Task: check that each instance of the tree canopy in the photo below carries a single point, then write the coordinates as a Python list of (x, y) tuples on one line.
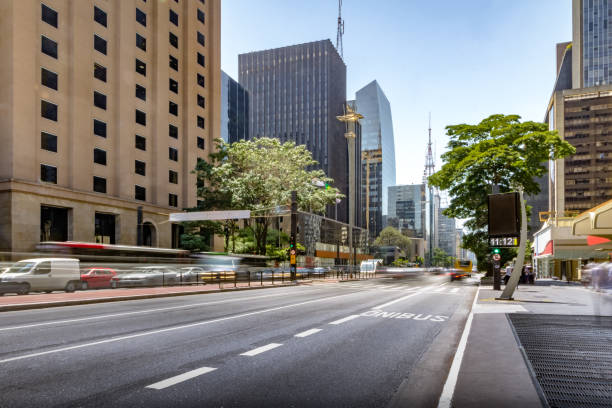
[(391, 236), (500, 150)]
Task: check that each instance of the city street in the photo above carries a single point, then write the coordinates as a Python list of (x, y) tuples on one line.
[(328, 344)]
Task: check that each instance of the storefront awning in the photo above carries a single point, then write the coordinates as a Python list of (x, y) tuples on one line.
[(596, 222)]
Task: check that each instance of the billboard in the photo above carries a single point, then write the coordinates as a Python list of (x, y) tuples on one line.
[(504, 215)]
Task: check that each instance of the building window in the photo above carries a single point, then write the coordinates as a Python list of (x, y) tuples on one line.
[(173, 63), (173, 131), (105, 228), (100, 16), (140, 193), (141, 67), (141, 92), (49, 15), (201, 80), (141, 117), (201, 40), (48, 110), (172, 177), (100, 157), (99, 184), (48, 142), (173, 154), (200, 101), (173, 18), (100, 72), (48, 46), (141, 42), (173, 86), (100, 100), (141, 17), (48, 173), (99, 128), (200, 16), (173, 108), (201, 59), (100, 44), (172, 200), (200, 122), (140, 167), (141, 143), (48, 78), (173, 40), (201, 143)]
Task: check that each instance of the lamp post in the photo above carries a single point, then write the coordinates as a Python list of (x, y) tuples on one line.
[(351, 118)]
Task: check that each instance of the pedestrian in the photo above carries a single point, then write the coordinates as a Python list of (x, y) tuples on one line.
[(531, 275), (507, 274), (523, 275)]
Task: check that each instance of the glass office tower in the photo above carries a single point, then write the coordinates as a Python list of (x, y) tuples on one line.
[(377, 146), (596, 42), (234, 110)]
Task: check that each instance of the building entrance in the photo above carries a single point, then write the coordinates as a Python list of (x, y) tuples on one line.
[(53, 223)]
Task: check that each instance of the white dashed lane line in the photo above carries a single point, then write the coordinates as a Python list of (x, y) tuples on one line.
[(180, 378), (346, 319), (307, 333), (261, 349)]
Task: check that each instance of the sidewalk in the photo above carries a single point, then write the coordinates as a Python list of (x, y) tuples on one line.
[(524, 352)]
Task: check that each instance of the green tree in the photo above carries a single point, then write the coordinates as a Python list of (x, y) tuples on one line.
[(259, 175), (441, 258), (500, 150), (391, 236)]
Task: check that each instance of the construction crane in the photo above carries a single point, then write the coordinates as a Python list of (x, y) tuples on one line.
[(340, 31)]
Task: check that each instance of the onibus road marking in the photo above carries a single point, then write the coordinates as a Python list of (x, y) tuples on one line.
[(180, 378), (261, 349), (402, 315), (307, 333)]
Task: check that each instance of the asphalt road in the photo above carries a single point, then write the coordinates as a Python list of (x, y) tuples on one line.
[(341, 344)]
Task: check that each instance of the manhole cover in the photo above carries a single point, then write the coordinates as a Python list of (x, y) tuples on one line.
[(570, 355)]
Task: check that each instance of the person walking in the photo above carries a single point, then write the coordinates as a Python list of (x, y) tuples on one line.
[(507, 274)]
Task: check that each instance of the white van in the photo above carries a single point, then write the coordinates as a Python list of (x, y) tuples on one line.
[(41, 275)]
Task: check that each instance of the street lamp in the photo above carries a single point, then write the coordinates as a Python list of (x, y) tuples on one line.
[(351, 118)]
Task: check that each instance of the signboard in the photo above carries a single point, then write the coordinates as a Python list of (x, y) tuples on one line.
[(496, 257), (504, 241), (504, 215), (209, 215), (292, 260)]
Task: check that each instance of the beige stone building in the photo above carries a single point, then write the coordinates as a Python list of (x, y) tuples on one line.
[(105, 106)]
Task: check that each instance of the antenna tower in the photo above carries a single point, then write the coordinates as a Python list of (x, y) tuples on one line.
[(429, 160), (340, 30)]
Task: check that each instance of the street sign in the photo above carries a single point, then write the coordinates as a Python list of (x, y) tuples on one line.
[(496, 257), (292, 259), (504, 241)]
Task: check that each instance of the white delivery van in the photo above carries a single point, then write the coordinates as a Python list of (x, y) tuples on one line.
[(41, 275)]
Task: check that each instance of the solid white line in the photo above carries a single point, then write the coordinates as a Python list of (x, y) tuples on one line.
[(168, 329), (413, 288), (446, 397), (180, 378), (307, 332), (261, 349), (346, 319), (161, 309)]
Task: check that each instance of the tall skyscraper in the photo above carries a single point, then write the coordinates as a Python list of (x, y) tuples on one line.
[(447, 233), (296, 93), (406, 209), (234, 110), (378, 154), (105, 107)]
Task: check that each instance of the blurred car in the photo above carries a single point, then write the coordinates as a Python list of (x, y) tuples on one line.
[(147, 276), (457, 274), (96, 278), (190, 274)]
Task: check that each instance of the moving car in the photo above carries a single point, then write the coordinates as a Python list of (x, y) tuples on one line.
[(97, 278), (42, 275), (157, 275), (458, 274)]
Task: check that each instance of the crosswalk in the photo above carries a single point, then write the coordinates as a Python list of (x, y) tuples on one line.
[(441, 289)]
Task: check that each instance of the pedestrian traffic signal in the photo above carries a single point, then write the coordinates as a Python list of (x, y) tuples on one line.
[(496, 250)]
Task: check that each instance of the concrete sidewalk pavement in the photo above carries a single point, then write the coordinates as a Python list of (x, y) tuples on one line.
[(495, 369)]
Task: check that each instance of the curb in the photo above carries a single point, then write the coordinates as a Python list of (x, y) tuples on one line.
[(28, 306)]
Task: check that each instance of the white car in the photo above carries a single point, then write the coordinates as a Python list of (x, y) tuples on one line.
[(41, 275)]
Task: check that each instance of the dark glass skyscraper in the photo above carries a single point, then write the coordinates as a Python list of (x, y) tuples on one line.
[(234, 110), (296, 92)]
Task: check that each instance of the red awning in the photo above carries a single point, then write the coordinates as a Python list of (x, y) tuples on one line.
[(593, 240), (548, 249)]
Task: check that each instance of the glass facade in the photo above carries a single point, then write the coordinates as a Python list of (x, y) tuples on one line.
[(234, 110), (377, 134), (596, 42), (407, 209)]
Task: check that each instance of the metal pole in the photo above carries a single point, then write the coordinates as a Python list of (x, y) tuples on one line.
[(520, 258)]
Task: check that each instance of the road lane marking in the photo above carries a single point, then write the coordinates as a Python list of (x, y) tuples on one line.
[(307, 332), (168, 329), (451, 381), (402, 315), (454, 290), (161, 309), (261, 349), (180, 378), (346, 319), (439, 290), (399, 299)]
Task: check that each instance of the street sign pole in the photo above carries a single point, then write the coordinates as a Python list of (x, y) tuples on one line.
[(293, 238), (496, 272)]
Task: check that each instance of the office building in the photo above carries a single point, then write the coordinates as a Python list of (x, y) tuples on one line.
[(378, 154), (406, 209), (296, 93), (105, 107), (234, 110), (447, 233)]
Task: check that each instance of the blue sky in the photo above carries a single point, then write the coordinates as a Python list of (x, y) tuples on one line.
[(461, 60)]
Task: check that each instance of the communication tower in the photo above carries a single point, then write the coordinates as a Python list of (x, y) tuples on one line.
[(340, 31)]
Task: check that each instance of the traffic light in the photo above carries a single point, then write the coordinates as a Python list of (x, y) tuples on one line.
[(327, 186), (496, 250)]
